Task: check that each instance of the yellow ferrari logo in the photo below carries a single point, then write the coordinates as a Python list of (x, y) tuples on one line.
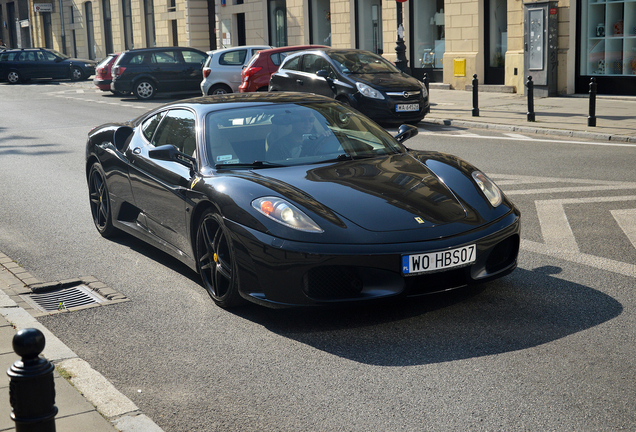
[(216, 257), (419, 220), (194, 182)]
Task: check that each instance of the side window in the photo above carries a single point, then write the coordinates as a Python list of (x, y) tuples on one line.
[(293, 64), (311, 63), (178, 129), (136, 59), (233, 58), (277, 58), (49, 56), (149, 126), (168, 57), (193, 57)]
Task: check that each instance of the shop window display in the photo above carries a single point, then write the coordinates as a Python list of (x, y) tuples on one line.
[(608, 37)]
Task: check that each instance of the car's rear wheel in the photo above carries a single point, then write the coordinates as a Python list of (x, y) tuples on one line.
[(100, 201), (14, 77), (144, 90), (219, 89), (216, 262), (76, 74)]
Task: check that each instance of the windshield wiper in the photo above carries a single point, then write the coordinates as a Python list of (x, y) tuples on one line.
[(255, 164)]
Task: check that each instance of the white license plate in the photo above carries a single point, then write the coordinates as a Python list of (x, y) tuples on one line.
[(407, 107), (436, 261)]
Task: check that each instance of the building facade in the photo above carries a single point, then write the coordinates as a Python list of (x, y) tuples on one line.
[(501, 41)]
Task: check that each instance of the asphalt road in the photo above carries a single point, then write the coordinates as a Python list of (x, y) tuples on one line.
[(550, 347)]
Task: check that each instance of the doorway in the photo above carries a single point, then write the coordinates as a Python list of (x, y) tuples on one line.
[(495, 40)]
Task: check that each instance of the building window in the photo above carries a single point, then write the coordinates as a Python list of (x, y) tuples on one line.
[(149, 9), (369, 25), (320, 22), (108, 27), (48, 29), (90, 35), (277, 23), (175, 33), (608, 38), (128, 25), (429, 34)]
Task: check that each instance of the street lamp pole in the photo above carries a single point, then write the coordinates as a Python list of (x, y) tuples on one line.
[(400, 47)]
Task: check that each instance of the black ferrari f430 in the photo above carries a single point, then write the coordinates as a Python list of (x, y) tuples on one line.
[(294, 199)]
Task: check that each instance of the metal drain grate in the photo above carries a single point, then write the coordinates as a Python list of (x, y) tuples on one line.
[(67, 298)]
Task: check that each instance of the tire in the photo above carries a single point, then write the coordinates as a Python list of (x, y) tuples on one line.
[(100, 202), (219, 89), (216, 261), (344, 101), (144, 90), (14, 77), (76, 74)]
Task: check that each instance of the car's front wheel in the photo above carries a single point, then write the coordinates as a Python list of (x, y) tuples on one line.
[(76, 74), (14, 77), (216, 262), (100, 201), (144, 90)]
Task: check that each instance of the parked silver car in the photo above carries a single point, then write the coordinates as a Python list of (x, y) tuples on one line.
[(222, 69)]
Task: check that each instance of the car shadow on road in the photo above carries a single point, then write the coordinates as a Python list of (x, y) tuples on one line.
[(523, 310)]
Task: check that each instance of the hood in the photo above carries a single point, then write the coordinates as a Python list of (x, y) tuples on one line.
[(389, 193), (388, 81), (87, 61)]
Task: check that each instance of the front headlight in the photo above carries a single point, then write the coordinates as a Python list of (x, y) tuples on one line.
[(489, 188), (285, 213), (424, 91), (368, 91)]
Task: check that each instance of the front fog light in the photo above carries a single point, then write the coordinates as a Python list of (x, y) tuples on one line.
[(489, 188)]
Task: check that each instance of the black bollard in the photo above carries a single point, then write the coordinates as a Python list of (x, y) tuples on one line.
[(426, 82), (591, 119), (475, 97), (31, 390), (530, 86)]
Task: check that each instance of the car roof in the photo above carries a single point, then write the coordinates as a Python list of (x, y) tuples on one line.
[(152, 49), (292, 48), (249, 99), (222, 50)]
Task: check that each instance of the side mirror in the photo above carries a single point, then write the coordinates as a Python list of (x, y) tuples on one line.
[(322, 73), (170, 153), (406, 132)]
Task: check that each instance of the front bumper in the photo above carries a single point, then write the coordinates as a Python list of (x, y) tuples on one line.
[(281, 273)]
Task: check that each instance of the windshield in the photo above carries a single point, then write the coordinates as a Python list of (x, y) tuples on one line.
[(361, 62), (292, 134)]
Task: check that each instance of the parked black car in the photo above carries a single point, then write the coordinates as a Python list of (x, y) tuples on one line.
[(146, 71), (295, 199), (361, 79), (19, 65)]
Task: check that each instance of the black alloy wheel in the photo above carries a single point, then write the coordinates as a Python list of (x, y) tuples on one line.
[(215, 261), (76, 74), (100, 201), (144, 90)]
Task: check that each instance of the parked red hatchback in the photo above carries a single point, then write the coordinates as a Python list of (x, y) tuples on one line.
[(255, 76), (103, 76)]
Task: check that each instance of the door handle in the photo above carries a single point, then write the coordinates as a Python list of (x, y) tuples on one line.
[(300, 82)]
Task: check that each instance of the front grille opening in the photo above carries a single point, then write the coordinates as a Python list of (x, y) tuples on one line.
[(503, 255), (333, 283), (63, 299)]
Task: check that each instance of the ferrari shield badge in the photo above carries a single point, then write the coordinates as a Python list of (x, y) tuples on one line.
[(419, 220)]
